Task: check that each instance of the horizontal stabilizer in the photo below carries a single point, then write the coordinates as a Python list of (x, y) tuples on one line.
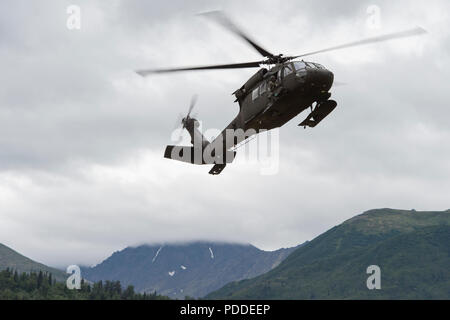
[(197, 155)]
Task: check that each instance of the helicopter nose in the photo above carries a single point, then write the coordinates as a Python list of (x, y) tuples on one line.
[(320, 79)]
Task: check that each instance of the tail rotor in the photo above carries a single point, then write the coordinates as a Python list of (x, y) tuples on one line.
[(183, 120)]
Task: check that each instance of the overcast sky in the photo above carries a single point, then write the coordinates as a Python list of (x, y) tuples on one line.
[(82, 137)]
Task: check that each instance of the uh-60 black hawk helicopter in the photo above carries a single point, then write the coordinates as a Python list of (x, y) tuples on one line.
[(268, 100)]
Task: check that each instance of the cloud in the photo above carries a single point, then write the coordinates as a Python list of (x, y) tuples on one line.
[(82, 136)]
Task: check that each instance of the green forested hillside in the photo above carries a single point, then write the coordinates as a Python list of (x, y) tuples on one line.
[(42, 286), (10, 259), (411, 248)]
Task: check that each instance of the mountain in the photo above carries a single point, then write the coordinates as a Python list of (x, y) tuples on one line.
[(411, 248), (179, 270), (15, 261)]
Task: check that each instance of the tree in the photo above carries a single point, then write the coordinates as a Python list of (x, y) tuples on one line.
[(40, 279), (128, 294), (42, 286)]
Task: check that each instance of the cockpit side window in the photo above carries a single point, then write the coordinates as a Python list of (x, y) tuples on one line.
[(299, 65), (287, 70)]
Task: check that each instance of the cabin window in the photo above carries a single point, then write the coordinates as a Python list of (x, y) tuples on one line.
[(263, 88), (255, 94), (287, 71)]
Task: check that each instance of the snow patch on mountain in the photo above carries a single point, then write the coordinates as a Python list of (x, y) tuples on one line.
[(156, 255)]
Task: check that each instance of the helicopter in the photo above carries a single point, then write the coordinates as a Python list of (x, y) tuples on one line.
[(273, 96)]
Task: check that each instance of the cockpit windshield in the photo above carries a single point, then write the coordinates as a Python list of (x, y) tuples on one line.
[(319, 66), (300, 65)]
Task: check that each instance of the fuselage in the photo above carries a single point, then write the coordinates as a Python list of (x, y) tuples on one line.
[(265, 106), (302, 83)]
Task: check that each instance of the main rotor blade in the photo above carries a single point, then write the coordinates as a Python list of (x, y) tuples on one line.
[(223, 66), (397, 35), (222, 19)]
